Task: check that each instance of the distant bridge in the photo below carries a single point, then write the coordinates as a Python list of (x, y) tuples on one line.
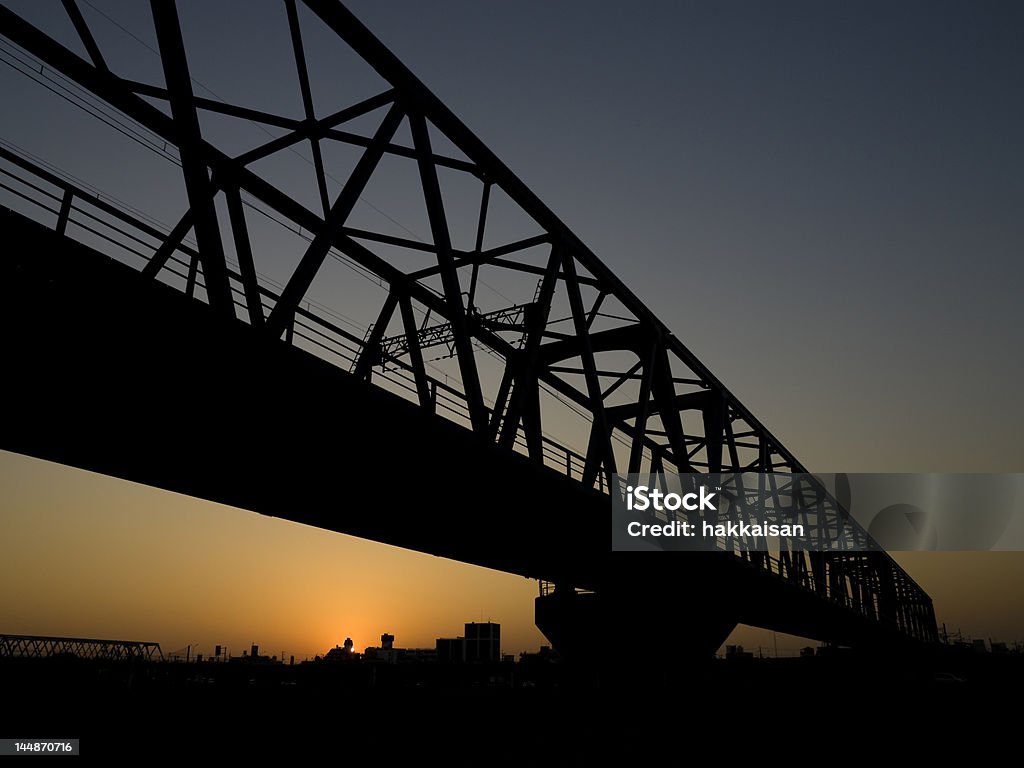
[(38, 647), (137, 353)]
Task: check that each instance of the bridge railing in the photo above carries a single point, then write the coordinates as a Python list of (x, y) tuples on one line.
[(112, 227)]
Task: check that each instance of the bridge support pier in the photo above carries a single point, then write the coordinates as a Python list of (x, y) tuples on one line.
[(636, 634)]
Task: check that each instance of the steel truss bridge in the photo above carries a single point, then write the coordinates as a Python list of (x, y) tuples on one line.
[(160, 355), (33, 647)]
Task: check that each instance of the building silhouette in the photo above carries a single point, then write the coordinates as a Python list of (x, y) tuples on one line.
[(450, 650), (482, 642)]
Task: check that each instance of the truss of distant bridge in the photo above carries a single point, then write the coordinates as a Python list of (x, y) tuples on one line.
[(38, 647)]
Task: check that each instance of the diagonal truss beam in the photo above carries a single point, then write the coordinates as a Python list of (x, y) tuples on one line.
[(243, 250), (307, 101), (190, 143), (84, 33), (521, 370), (449, 276), (314, 257), (601, 429)]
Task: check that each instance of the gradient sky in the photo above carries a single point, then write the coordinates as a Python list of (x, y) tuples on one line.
[(821, 199)]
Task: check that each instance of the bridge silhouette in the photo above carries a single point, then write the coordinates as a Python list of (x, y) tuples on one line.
[(136, 352)]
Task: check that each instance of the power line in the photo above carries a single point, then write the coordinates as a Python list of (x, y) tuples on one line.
[(131, 34), (77, 101)]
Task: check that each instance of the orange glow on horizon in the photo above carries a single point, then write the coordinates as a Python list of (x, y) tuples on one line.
[(92, 556)]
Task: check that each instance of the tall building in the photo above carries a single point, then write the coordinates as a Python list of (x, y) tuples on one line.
[(482, 642)]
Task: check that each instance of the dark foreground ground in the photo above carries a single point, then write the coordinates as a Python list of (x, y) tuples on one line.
[(818, 709)]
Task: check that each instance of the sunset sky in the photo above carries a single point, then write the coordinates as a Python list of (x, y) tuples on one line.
[(821, 199)]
